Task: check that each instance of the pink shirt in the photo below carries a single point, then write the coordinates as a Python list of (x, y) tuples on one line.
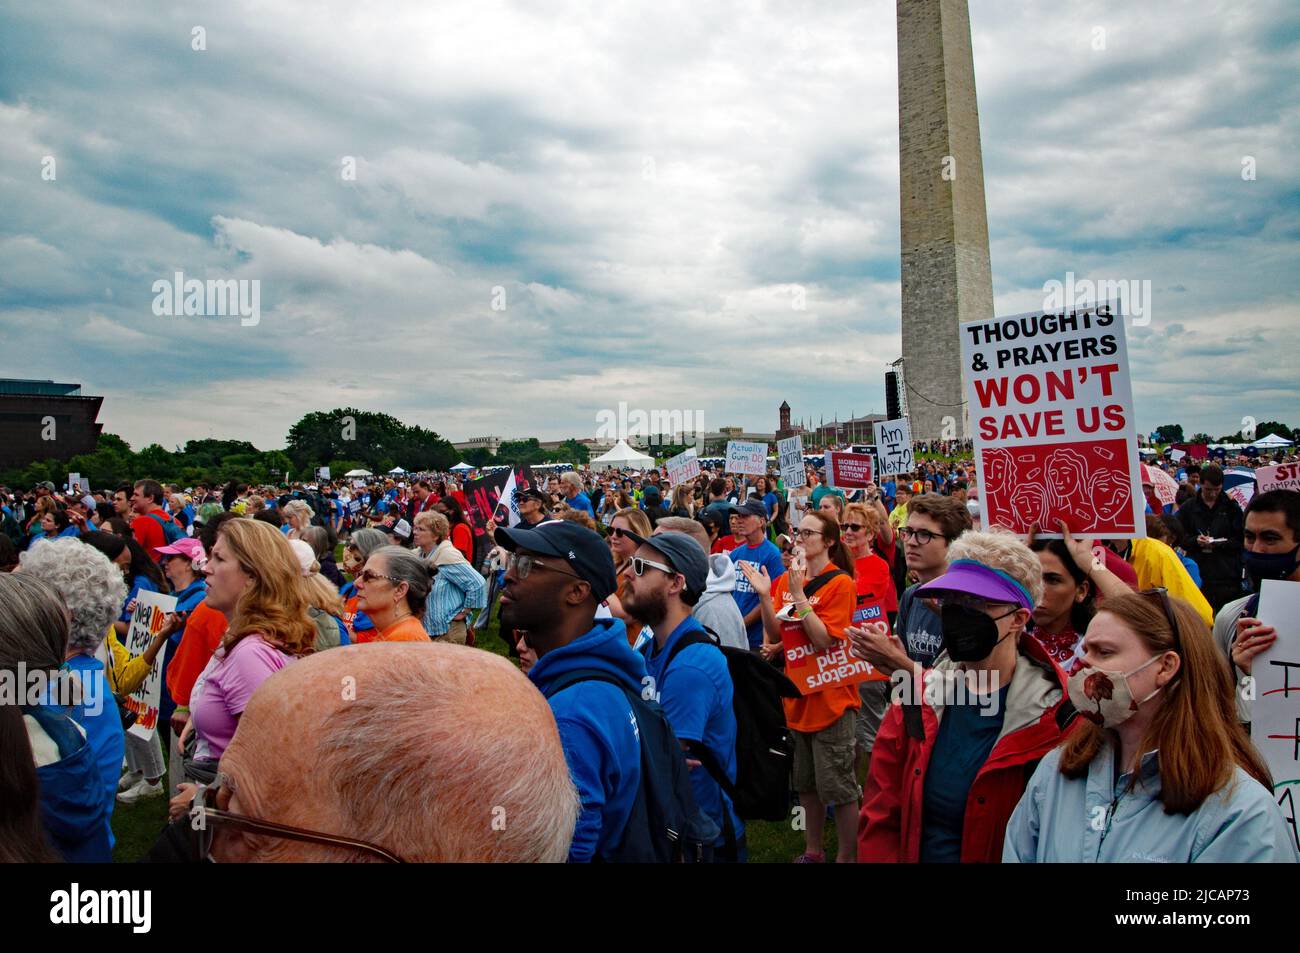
[(227, 684)]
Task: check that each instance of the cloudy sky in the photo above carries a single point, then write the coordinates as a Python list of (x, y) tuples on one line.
[(641, 189)]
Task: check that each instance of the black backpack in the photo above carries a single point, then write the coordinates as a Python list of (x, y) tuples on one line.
[(665, 826), (764, 746)]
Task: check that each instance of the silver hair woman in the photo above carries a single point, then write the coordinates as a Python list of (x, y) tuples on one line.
[(297, 514)]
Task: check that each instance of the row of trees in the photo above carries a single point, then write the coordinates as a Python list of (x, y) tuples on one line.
[(1173, 433)]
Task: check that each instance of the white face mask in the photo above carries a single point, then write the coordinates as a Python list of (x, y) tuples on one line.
[(1105, 698)]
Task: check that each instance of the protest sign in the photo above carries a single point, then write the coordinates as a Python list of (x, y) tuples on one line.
[(74, 481), (1284, 476), (485, 495), (894, 447), (1275, 707), (147, 619), (685, 466), (85, 485), (814, 670), (354, 506), (1051, 407), (848, 471), (744, 456), (789, 455), (322, 473)]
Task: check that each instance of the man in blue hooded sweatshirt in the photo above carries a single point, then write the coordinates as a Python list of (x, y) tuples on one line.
[(557, 576)]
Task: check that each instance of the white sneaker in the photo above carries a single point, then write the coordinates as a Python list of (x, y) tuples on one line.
[(129, 780), (139, 792)]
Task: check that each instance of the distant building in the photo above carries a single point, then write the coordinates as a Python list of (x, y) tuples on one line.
[(490, 444), (786, 430), (840, 432), (40, 420)]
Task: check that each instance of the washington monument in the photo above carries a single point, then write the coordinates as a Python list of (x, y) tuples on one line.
[(945, 234)]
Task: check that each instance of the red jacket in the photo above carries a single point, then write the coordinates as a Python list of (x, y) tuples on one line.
[(889, 829)]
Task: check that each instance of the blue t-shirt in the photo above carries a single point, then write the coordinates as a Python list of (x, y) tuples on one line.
[(696, 698), (920, 628), (967, 734), (103, 726), (770, 501), (580, 502), (764, 554)]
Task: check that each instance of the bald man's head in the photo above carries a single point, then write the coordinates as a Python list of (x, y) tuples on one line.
[(433, 752)]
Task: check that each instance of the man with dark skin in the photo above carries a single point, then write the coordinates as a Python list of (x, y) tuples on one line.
[(557, 576)]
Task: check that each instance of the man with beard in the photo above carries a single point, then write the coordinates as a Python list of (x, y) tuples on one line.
[(557, 575), (667, 575), (1272, 536)]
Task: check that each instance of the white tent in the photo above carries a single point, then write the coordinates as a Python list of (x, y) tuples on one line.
[(622, 457), (1273, 440), (358, 473), (462, 467), (396, 470)]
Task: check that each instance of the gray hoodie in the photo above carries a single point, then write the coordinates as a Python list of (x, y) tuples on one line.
[(717, 609)]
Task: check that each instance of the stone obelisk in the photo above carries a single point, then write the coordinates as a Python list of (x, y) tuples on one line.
[(946, 275)]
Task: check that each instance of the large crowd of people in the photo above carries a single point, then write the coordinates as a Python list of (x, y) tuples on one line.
[(323, 691)]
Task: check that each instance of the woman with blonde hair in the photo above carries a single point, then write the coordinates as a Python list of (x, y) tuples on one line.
[(458, 588), (325, 606), (683, 500), (255, 579), (1159, 769), (951, 762), (297, 517), (622, 547)]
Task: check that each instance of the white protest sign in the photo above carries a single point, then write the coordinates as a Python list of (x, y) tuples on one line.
[(789, 454), (85, 485), (1284, 476), (146, 620), (1051, 407), (894, 447), (1275, 708), (74, 481), (744, 456), (322, 473), (685, 466)]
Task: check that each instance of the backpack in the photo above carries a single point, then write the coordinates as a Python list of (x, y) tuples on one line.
[(665, 826), (764, 746), (171, 532)]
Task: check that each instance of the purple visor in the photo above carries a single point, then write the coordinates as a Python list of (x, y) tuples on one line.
[(977, 579)]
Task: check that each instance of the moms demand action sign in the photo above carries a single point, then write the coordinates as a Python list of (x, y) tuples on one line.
[(1051, 407)]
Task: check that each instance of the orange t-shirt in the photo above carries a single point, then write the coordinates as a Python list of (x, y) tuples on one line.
[(203, 631), (834, 604), (409, 629)]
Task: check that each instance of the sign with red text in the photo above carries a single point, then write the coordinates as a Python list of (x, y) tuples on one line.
[(848, 471), (813, 670), (685, 466), (1284, 476), (1051, 414), (1275, 699), (151, 609)]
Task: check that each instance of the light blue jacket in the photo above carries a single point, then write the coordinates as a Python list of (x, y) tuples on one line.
[(1096, 820)]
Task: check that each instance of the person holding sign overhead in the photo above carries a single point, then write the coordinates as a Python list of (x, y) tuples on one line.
[(815, 599), (1159, 770), (950, 763)]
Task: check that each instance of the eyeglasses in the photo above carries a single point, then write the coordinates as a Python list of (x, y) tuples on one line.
[(1162, 596), (521, 564), (922, 537), (618, 533), (805, 533), (854, 527), (639, 565), (369, 575), (203, 819)]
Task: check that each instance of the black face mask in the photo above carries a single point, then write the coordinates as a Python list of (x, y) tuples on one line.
[(1261, 566), (969, 634)]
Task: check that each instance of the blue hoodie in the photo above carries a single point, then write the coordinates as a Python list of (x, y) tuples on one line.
[(73, 811), (598, 731)]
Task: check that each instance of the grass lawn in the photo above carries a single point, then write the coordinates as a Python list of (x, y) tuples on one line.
[(136, 826)]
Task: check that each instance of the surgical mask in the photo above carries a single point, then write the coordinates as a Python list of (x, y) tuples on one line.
[(969, 634), (1260, 566), (1105, 698)]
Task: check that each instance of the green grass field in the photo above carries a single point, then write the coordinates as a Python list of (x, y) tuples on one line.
[(136, 827)]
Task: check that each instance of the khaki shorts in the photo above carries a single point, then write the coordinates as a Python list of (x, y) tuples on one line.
[(875, 702), (456, 632), (823, 761)]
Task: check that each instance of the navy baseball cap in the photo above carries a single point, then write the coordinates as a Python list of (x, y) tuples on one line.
[(583, 549), (750, 508), (683, 554)]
